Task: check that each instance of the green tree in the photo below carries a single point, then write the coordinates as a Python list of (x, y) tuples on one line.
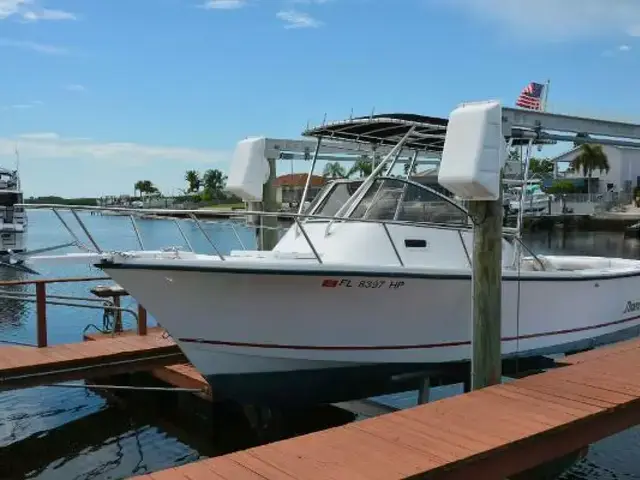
[(214, 182), (561, 187), (145, 187), (192, 177), (540, 166), (334, 170), (363, 167), (137, 188), (590, 158)]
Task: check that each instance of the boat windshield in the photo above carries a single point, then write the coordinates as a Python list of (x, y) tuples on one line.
[(391, 199), (400, 200), (333, 196)]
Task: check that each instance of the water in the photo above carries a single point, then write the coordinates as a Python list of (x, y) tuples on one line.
[(53, 433)]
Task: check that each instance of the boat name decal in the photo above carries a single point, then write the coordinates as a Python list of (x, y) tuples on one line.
[(371, 284), (631, 307)]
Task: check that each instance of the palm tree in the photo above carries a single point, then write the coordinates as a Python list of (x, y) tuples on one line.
[(192, 177), (334, 170), (363, 166), (145, 187), (590, 158), (138, 187)]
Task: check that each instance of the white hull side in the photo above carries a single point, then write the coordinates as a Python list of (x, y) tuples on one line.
[(272, 322)]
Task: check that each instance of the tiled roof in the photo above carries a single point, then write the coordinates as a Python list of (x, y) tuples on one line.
[(298, 180)]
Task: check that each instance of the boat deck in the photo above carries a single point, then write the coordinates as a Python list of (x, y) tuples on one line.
[(491, 433)]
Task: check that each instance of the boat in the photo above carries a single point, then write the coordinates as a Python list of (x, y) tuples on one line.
[(535, 199), (13, 217), (370, 288)]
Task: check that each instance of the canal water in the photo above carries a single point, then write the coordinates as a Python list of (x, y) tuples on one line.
[(51, 433)]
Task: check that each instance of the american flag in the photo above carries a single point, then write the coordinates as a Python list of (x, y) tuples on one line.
[(531, 96)]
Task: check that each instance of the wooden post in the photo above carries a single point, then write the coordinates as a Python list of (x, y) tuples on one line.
[(424, 391), (486, 362), (268, 235), (142, 320), (41, 314), (117, 315)]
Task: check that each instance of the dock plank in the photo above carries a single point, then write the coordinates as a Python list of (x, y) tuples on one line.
[(22, 367), (182, 375), (491, 433), (600, 352)]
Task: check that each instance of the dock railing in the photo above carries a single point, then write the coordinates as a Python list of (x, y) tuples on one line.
[(42, 299)]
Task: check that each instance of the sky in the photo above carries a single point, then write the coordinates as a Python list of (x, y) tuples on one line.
[(97, 94)]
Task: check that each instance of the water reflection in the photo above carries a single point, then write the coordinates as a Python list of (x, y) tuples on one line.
[(13, 312), (608, 244)]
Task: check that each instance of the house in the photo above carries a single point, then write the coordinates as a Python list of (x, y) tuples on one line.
[(289, 187), (623, 175)]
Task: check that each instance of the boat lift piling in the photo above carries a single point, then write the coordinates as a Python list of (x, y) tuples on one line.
[(486, 363)]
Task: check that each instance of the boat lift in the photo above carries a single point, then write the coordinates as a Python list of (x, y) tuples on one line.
[(518, 123)]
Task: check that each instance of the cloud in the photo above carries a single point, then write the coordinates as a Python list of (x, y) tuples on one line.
[(50, 145), (22, 106), (224, 4), (295, 19), (75, 87), (556, 19), (29, 11), (620, 49), (40, 136), (34, 46)]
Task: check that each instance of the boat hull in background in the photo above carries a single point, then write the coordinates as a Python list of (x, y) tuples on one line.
[(14, 241)]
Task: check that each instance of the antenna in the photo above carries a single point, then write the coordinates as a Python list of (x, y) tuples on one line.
[(17, 167), (351, 114)]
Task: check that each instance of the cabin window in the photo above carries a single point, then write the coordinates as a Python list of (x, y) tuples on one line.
[(9, 199), (415, 243), (395, 199), (338, 194), (421, 205)]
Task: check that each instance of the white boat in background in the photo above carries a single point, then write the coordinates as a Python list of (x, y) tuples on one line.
[(13, 217), (372, 286), (535, 199)]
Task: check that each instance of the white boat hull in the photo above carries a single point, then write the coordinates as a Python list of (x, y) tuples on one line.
[(14, 241), (251, 332)]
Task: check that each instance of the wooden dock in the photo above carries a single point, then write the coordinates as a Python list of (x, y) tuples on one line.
[(492, 433), (178, 373), (22, 367), (27, 366)]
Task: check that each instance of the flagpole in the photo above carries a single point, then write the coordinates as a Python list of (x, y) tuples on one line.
[(17, 165), (546, 95)]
